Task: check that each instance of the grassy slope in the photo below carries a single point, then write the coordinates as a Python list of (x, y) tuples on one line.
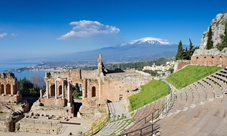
[(150, 92), (190, 74)]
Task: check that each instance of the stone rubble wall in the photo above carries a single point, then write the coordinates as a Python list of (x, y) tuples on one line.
[(33, 126)]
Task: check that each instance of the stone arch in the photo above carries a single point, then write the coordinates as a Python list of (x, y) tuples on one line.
[(78, 88), (93, 92), (8, 89), (1, 89), (52, 90)]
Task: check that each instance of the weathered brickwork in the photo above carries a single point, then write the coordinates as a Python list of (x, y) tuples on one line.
[(8, 88), (97, 87)]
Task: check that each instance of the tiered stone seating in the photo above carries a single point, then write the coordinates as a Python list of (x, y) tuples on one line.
[(118, 120), (207, 118), (143, 117)]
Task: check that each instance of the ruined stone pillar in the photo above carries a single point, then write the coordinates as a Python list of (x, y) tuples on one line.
[(69, 95), (11, 89), (48, 88), (41, 93), (55, 95), (4, 88), (63, 92)]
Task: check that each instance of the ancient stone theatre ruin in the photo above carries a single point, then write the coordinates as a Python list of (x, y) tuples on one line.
[(97, 87)]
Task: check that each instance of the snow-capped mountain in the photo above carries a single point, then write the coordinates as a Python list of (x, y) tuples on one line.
[(147, 48), (148, 40)]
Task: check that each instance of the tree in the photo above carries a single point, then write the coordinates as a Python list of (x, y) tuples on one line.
[(25, 87), (223, 44), (191, 48), (209, 39), (36, 80), (180, 52)]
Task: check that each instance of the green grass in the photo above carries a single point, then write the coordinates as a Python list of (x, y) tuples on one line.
[(190, 74), (150, 92)]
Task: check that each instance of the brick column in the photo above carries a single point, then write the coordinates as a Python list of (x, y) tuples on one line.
[(48, 88), (69, 96), (55, 89), (4, 88), (11, 89), (63, 92)]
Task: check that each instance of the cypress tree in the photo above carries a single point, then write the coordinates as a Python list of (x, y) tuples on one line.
[(209, 39), (191, 49), (180, 52)]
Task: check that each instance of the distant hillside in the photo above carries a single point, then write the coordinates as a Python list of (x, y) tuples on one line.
[(137, 50)]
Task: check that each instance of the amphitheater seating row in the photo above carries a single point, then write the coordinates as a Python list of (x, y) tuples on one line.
[(143, 117), (199, 109)]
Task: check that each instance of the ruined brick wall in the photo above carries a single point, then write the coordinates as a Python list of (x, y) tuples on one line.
[(180, 64), (210, 60), (89, 74), (116, 87), (45, 127), (8, 88)]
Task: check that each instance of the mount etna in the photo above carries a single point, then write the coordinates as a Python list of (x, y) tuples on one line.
[(148, 48)]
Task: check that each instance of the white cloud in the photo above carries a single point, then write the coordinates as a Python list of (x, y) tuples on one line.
[(13, 34), (3, 35), (87, 28)]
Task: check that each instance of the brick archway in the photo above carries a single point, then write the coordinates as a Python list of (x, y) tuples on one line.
[(1, 89), (8, 89)]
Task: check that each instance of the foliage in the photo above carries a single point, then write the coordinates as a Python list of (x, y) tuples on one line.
[(27, 88), (150, 92), (223, 44), (138, 65), (190, 74), (36, 80), (97, 125), (185, 54), (48, 75), (209, 39), (76, 92), (180, 52), (151, 72)]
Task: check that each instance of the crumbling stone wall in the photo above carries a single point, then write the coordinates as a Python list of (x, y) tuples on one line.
[(98, 86), (212, 57), (8, 88), (35, 126)]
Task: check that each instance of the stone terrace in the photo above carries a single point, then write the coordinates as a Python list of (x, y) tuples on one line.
[(200, 108)]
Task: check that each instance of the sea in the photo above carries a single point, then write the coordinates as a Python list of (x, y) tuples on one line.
[(7, 66)]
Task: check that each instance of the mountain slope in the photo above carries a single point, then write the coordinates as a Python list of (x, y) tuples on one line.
[(142, 49)]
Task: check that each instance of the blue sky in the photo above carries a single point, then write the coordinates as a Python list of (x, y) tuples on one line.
[(42, 28)]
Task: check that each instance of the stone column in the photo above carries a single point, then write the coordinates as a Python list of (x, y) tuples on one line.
[(48, 88), (69, 95), (4, 88), (63, 92), (11, 89), (55, 89), (41, 93)]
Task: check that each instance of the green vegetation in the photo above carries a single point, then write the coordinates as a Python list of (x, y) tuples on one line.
[(138, 65), (77, 93), (209, 39), (185, 54), (190, 74), (180, 52), (97, 125), (27, 88), (222, 45), (150, 92)]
